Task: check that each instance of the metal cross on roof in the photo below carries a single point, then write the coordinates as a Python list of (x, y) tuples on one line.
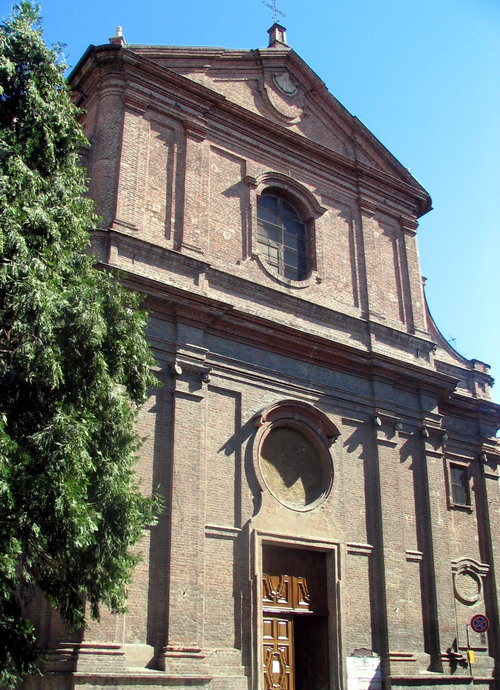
[(275, 10)]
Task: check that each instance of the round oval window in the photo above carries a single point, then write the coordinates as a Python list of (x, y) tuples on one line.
[(293, 469)]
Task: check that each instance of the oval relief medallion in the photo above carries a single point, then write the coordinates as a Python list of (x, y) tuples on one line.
[(467, 587), (293, 469)]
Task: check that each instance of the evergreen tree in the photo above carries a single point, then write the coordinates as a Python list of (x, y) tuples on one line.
[(74, 365)]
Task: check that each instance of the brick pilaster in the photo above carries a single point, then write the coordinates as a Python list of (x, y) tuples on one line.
[(440, 608), (195, 228), (183, 650), (391, 550)]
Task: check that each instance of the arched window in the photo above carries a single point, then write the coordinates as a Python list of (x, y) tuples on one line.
[(282, 236)]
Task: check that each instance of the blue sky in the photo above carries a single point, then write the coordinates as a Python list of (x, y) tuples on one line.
[(422, 75)]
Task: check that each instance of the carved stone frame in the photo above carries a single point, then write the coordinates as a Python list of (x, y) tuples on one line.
[(259, 539), (317, 429), (477, 571), (310, 209)]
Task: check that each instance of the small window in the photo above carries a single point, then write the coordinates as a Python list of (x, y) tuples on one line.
[(282, 237), (459, 489), (459, 485)]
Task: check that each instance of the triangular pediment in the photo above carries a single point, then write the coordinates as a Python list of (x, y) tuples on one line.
[(278, 85)]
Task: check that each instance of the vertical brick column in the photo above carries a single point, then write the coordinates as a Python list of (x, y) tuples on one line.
[(391, 551), (412, 275), (196, 198), (489, 525), (131, 202), (183, 650), (440, 607), (106, 143), (370, 290)]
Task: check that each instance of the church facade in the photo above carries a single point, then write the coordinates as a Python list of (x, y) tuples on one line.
[(328, 462)]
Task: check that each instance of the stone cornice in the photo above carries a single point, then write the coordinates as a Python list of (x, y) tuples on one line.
[(286, 341), (368, 351)]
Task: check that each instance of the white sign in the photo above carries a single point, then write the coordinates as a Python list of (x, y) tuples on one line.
[(363, 673)]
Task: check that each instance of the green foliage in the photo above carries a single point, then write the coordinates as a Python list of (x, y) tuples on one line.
[(74, 365)]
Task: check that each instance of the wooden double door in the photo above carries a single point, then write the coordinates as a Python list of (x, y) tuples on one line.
[(295, 623)]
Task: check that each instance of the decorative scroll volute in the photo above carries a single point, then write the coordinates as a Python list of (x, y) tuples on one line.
[(303, 600), (277, 590), (285, 592)]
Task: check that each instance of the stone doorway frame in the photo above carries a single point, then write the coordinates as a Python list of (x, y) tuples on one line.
[(258, 540)]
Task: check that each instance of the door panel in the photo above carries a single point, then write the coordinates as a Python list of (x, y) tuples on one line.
[(278, 653)]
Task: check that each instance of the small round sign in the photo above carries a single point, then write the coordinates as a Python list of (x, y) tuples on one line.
[(479, 623)]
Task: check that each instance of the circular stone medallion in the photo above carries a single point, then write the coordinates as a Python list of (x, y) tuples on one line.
[(467, 587), (293, 469)]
